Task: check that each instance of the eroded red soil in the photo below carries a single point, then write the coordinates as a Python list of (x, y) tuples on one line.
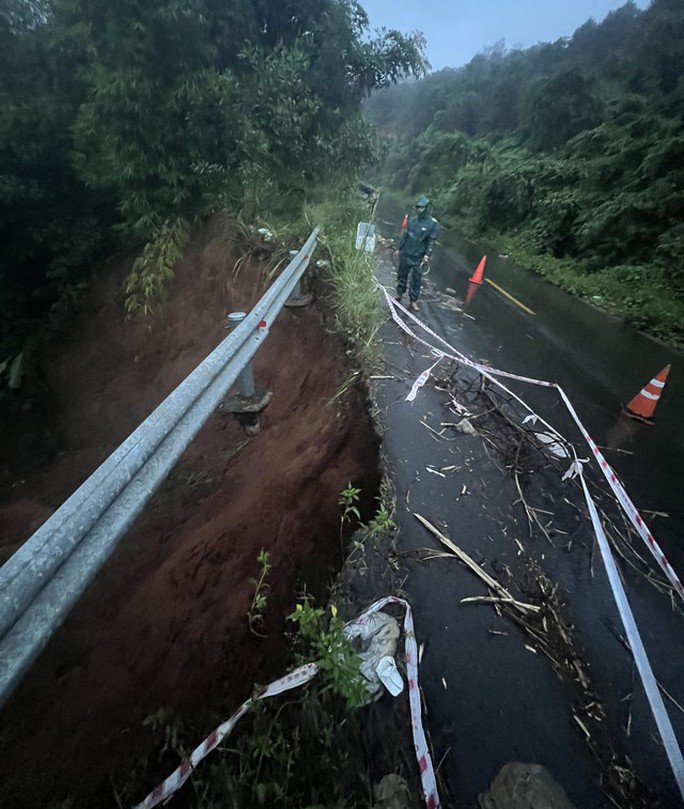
[(164, 624)]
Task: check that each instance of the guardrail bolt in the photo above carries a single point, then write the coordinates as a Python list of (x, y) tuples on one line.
[(250, 401)]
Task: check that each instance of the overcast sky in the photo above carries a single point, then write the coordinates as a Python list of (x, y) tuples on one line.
[(458, 29)]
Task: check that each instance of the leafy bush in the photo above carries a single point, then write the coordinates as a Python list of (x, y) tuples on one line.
[(323, 641), (145, 286), (120, 118)]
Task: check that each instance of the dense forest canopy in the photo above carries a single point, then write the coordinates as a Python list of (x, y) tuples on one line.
[(118, 120), (574, 147)]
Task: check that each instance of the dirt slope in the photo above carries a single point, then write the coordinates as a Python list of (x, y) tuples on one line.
[(164, 625)]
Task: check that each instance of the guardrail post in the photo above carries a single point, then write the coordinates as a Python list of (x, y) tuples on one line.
[(245, 380), (297, 297), (250, 401)]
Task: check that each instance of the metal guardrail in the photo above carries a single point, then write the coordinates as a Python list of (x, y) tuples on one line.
[(42, 581)]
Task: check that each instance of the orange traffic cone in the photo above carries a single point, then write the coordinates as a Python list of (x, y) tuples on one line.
[(644, 403), (476, 277), (404, 222)]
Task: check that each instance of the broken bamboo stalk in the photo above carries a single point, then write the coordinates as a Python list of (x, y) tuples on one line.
[(492, 583)]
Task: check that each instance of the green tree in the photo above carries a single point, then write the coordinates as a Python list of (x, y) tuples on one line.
[(557, 109), (573, 147), (127, 119)]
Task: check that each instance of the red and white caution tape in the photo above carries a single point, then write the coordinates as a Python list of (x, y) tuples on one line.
[(180, 775), (455, 353), (648, 680), (491, 373), (296, 678), (623, 498), (427, 773), (422, 379)]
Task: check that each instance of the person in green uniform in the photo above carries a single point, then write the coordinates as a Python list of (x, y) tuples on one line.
[(415, 249)]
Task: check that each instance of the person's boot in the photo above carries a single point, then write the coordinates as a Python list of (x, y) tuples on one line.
[(397, 297), (413, 306)]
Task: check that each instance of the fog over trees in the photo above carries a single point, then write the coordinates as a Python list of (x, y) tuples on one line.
[(575, 148)]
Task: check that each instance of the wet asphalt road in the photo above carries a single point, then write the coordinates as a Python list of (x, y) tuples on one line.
[(490, 699)]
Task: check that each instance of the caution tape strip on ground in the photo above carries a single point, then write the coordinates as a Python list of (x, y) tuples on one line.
[(427, 773), (164, 791), (180, 775), (667, 734), (646, 675), (422, 379), (618, 489), (625, 502)]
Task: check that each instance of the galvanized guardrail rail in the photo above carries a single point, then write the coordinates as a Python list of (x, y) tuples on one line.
[(43, 580)]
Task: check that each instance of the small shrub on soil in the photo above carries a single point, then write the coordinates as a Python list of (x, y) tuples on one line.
[(326, 644), (301, 749), (255, 616), (349, 499), (382, 522)]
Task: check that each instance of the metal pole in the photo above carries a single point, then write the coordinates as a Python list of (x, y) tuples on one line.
[(245, 380), (297, 291)]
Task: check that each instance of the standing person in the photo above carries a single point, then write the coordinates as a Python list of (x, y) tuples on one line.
[(415, 249)]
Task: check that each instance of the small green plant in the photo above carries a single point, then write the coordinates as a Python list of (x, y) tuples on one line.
[(255, 616), (328, 646), (173, 731), (154, 268), (382, 522), (349, 498), (343, 389)]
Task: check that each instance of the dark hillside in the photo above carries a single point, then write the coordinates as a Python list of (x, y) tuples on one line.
[(571, 150), (125, 124)]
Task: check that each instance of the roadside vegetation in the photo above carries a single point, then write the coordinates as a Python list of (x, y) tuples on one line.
[(347, 273), (640, 294), (309, 747), (566, 155), (124, 126), (300, 749)]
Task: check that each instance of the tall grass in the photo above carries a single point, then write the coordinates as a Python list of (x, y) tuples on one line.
[(353, 295)]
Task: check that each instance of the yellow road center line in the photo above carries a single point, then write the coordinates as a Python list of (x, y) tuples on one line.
[(510, 297)]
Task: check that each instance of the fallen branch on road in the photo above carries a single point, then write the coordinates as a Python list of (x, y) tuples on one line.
[(492, 583)]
